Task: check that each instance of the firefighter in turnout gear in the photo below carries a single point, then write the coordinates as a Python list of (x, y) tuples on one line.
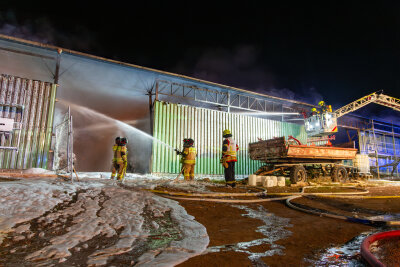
[(119, 161), (229, 152), (324, 107), (314, 112), (114, 164), (188, 159)]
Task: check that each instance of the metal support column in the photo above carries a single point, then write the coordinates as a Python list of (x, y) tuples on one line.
[(48, 163), (70, 145), (156, 91), (151, 110), (229, 103), (394, 151), (58, 64), (376, 150)]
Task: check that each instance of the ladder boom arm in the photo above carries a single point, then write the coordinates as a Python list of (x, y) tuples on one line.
[(388, 101), (375, 97)]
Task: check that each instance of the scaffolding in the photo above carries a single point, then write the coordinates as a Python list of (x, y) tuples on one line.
[(381, 142)]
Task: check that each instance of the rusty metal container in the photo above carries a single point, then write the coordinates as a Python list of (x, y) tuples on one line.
[(279, 150)]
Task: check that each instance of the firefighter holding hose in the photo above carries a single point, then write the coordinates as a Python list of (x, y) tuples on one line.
[(228, 159), (119, 161), (188, 159)]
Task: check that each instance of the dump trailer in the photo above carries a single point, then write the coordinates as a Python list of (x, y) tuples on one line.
[(299, 162)]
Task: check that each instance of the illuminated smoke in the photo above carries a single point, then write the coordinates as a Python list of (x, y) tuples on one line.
[(94, 135)]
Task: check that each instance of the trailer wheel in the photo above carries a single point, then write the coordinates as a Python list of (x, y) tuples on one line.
[(298, 174), (339, 174)]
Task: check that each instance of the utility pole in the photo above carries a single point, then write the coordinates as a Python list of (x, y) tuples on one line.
[(50, 154), (58, 63), (151, 111)]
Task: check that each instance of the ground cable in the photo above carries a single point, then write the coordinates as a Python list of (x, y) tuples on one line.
[(341, 217)]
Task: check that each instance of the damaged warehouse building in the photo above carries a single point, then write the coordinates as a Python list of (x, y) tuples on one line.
[(66, 106)]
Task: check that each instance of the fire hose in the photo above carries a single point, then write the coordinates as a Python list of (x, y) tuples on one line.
[(341, 217), (288, 197)]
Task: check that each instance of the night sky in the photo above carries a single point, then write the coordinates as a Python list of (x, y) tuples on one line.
[(338, 51)]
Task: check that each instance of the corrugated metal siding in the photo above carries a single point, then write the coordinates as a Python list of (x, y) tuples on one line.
[(38, 100), (174, 122)]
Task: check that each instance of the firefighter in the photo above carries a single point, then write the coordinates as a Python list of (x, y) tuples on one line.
[(119, 161), (124, 158), (324, 107), (229, 151), (314, 111), (188, 159), (115, 166)]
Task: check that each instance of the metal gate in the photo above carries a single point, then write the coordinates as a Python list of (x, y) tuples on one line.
[(30, 104)]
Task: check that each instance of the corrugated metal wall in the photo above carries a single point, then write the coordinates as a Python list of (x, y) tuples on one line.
[(174, 122), (38, 100)]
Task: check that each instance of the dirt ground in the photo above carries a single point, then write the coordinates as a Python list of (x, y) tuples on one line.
[(310, 234), (262, 234)]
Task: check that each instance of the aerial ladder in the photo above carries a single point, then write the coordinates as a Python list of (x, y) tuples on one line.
[(325, 123)]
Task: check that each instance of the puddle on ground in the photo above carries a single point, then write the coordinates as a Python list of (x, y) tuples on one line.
[(274, 229)]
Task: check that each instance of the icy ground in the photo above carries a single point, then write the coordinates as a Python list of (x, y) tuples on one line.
[(95, 222)]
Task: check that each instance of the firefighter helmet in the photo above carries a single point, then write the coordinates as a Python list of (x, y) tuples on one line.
[(313, 110), (117, 140), (124, 140), (227, 133), (321, 103), (188, 142)]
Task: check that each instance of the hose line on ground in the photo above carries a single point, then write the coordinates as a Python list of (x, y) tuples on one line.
[(230, 200), (209, 194), (341, 217), (288, 197)]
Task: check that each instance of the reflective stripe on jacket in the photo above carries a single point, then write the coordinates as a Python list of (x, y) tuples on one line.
[(189, 155), (229, 149), (120, 153)]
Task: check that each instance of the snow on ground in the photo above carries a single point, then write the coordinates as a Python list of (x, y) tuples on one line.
[(22, 201), (148, 181), (97, 218)]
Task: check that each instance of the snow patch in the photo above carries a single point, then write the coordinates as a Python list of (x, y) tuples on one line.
[(37, 171), (101, 209)]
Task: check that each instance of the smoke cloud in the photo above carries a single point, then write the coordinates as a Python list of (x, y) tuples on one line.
[(42, 30), (242, 67)]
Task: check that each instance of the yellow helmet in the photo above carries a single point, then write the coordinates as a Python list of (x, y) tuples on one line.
[(226, 132), (321, 103), (314, 110)]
